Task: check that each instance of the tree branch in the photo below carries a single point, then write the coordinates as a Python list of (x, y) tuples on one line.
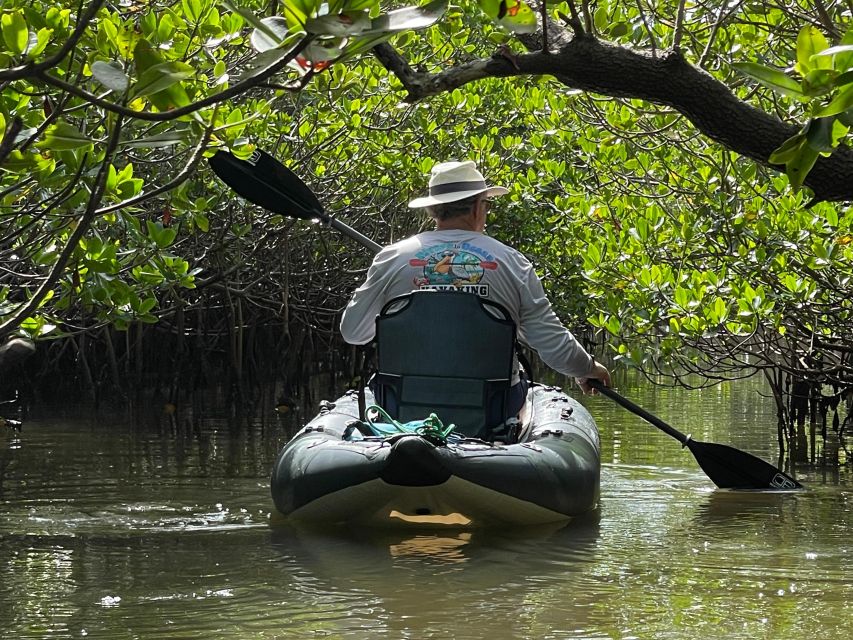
[(678, 31), (600, 67), (173, 114), (8, 142), (24, 310)]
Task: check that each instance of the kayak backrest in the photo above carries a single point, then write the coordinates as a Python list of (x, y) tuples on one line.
[(448, 353)]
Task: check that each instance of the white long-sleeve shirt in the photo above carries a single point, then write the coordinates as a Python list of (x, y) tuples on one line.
[(473, 262)]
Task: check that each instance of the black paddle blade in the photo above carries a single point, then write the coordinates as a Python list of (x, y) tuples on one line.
[(266, 182), (731, 468)]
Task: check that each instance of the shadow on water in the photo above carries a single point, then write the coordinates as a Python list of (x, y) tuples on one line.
[(726, 508)]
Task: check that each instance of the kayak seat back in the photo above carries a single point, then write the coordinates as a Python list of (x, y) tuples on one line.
[(448, 353)]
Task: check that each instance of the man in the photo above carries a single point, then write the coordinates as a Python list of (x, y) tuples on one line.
[(459, 256)]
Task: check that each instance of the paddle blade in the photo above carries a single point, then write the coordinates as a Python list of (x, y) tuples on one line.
[(731, 468), (266, 182)]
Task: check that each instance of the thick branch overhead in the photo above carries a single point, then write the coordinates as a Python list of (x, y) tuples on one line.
[(596, 66)]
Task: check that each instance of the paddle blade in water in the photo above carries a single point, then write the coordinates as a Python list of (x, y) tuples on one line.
[(266, 182), (731, 468)]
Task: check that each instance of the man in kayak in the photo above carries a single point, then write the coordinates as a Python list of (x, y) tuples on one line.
[(458, 256)]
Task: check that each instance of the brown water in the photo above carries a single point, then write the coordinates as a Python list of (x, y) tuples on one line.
[(159, 530)]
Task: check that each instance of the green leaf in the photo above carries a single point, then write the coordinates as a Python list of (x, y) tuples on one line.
[(720, 310), (613, 325), (831, 51), (295, 15), (112, 178), (810, 41), (818, 82), (160, 77), (819, 134), (844, 79), (788, 149), (110, 74), (771, 78), (842, 102), (63, 136), (164, 139), (145, 59), (146, 305), (192, 9), (15, 32), (162, 236), (201, 222), (619, 29), (165, 27), (42, 38), (799, 166), (843, 61)]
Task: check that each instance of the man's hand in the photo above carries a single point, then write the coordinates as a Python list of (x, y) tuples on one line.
[(598, 372)]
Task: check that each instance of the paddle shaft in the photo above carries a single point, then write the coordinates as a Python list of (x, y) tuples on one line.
[(351, 233), (633, 408)]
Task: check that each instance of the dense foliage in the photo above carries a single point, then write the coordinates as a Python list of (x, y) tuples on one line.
[(654, 151)]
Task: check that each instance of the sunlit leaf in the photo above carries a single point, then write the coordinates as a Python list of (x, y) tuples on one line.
[(38, 42), (810, 41), (15, 32), (63, 136), (842, 102), (831, 51), (771, 78)]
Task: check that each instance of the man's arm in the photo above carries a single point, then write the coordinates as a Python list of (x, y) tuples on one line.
[(541, 329), (358, 323)]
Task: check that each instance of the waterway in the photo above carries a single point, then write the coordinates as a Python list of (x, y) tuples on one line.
[(156, 526)]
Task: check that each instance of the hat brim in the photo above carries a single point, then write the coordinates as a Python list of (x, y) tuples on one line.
[(428, 201)]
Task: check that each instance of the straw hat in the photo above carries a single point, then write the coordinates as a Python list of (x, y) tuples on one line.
[(452, 181)]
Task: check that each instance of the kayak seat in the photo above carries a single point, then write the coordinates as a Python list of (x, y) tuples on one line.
[(448, 353)]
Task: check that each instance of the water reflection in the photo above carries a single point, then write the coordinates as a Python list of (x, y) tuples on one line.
[(113, 529), (470, 584)]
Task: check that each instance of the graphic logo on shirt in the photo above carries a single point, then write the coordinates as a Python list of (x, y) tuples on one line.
[(452, 266)]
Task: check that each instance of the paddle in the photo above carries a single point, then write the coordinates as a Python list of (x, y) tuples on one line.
[(266, 182), (727, 467)]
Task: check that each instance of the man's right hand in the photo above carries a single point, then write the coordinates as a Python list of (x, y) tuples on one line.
[(598, 372)]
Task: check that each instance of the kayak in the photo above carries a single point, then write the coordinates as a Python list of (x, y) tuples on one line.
[(333, 471)]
